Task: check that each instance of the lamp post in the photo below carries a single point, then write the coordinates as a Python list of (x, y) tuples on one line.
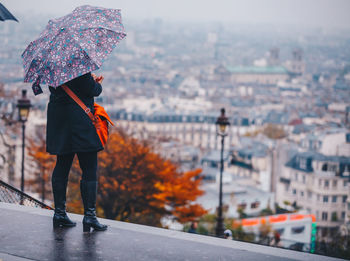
[(221, 130), (23, 105)]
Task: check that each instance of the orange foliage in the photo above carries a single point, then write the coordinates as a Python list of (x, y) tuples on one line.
[(137, 185)]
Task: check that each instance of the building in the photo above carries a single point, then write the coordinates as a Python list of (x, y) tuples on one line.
[(332, 141), (296, 66), (184, 155), (264, 75), (319, 185), (264, 72), (238, 194), (296, 231), (292, 89), (273, 59), (196, 129), (253, 159)]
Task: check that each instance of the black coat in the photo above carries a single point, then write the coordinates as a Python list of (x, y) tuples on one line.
[(69, 128)]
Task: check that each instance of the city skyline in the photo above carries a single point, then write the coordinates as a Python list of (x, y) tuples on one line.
[(285, 90)]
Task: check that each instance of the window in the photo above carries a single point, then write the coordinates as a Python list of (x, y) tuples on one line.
[(345, 198), (346, 171), (298, 230), (296, 176), (309, 194), (324, 231), (345, 183), (302, 193), (304, 179), (320, 182), (303, 163), (333, 168), (343, 215), (242, 206), (213, 164), (334, 216), (324, 216), (325, 199), (334, 199), (255, 204), (294, 191), (334, 183), (326, 183), (324, 167)]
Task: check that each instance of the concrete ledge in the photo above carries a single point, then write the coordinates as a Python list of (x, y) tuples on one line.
[(27, 233)]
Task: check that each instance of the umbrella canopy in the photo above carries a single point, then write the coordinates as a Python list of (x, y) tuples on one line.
[(5, 14), (72, 45)]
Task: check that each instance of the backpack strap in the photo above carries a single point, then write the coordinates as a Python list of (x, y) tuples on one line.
[(79, 102)]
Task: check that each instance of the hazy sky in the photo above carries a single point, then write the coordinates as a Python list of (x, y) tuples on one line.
[(324, 13)]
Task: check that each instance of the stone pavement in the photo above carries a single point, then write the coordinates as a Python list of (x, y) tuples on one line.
[(26, 233)]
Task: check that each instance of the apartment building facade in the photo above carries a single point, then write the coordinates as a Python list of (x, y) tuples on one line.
[(318, 184)]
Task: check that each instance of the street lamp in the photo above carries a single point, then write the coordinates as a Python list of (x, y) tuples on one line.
[(23, 105), (221, 130)]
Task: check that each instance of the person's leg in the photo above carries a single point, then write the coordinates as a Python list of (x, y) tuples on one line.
[(59, 186), (88, 189), (88, 165), (62, 168)]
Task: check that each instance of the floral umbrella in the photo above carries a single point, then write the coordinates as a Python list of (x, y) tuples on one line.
[(72, 45)]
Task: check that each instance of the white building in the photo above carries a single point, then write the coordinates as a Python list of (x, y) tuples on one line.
[(293, 229), (328, 142), (253, 159), (319, 185), (236, 195), (196, 129)]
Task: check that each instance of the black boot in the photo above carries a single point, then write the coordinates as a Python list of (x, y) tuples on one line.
[(60, 218), (88, 190)]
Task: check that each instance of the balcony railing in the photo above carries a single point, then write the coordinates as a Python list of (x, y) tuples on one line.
[(9, 194)]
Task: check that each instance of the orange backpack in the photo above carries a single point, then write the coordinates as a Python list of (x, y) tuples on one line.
[(100, 117)]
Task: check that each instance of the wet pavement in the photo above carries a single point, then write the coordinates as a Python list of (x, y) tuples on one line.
[(27, 233)]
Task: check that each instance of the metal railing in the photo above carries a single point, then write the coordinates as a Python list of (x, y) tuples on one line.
[(9, 194)]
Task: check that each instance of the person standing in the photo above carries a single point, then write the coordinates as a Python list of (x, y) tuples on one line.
[(71, 132), (276, 239), (193, 228), (228, 234), (62, 57)]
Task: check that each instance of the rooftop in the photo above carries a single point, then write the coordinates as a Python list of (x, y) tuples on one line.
[(257, 69), (309, 156), (27, 234), (215, 156)]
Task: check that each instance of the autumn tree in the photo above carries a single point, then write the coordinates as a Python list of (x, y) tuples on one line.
[(137, 185), (265, 230), (274, 132)]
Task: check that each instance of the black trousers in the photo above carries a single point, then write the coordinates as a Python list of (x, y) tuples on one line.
[(87, 162)]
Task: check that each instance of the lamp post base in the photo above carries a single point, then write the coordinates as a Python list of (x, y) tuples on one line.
[(219, 231)]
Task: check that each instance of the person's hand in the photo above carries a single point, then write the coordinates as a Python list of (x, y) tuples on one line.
[(99, 79)]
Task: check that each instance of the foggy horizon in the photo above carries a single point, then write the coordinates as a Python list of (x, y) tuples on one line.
[(312, 14)]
